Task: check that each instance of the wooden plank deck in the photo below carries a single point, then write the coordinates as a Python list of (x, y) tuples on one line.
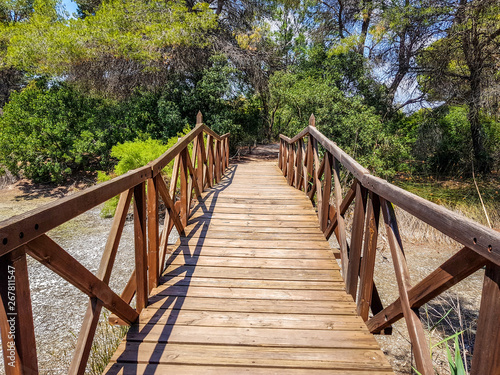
[(253, 288)]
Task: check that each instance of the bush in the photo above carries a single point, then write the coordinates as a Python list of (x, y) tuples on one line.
[(49, 131), (135, 154)]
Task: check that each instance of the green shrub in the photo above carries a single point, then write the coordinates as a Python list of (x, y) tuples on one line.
[(50, 131), (135, 154)]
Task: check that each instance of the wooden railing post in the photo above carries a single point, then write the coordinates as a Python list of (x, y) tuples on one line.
[(153, 233), (16, 317), (344, 252), (210, 160), (291, 157), (280, 155), (140, 247), (486, 356), (417, 336), (356, 241), (368, 260)]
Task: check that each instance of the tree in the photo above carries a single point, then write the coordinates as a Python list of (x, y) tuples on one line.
[(462, 67)]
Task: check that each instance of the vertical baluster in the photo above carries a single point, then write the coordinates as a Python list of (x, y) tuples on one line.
[(291, 157), (368, 260), (340, 219), (285, 158), (202, 161), (218, 161), (356, 241), (184, 193), (327, 190), (153, 232), (486, 358), (317, 181), (16, 317), (227, 152), (305, 178), (298, 165), (210, 160), (310, 166), (280, 155), (415, 329), (140, 246)]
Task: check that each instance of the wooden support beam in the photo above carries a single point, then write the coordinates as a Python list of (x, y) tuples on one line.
[(455, 269), (153, 233), (486, 356), (343, 209), (317, 180), (58, 260), (356, 241), (91, 319), (344, 254), (184, 194), (368, 260), (210, 159), (416, 331), (16, 316), (173, 213), (327, 191), (140, 241)]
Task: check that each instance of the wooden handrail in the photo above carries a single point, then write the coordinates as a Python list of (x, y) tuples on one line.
[(304, 170), (27, 234)]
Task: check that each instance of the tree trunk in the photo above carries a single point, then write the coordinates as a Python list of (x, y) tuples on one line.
[(481, 159)]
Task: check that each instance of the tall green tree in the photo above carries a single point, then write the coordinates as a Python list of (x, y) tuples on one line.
[(462, 68)]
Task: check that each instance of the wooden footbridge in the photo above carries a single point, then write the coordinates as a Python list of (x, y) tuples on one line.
[(252, 286)]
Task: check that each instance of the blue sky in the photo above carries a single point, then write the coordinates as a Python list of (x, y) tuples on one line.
[(70, 6)]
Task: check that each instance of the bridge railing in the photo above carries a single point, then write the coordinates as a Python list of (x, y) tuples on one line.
[(27, 234), (320, 179)]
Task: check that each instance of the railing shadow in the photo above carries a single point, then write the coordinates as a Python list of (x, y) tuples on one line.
[(173, 297)]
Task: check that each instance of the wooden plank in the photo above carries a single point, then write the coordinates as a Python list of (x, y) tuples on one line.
[(458, 267), (253, 222), (417, 335), (217, 230), (252, 273), (254, 336), (249, 293), (486, 358), (257, 320), (209, 369), (21, 229), (173, 213), (260, 217), (250, 252), (369, 253), (153, 232), (91, 319), (58, 260), (356, 241), (250, 283), (257, 243), (340, 219), (140, 246), (280, 306), (16, 316), (483, 240), (304, 264)]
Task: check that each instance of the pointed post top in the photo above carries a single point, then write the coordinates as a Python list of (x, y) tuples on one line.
[(312, 121), (199, 118)]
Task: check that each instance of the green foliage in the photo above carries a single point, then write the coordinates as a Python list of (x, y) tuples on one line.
[(131, 29), (443, 140), (135, 154), (355, 127), (49, 131)]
